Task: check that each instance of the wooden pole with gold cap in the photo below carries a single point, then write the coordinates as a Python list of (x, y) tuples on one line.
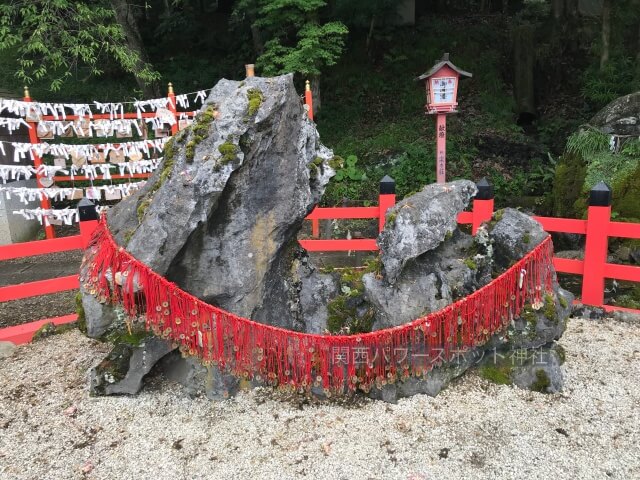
[(172, 107), (37, 161), (308, 99)]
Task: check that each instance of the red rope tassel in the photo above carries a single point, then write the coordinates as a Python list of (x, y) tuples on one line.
[(299, 360)]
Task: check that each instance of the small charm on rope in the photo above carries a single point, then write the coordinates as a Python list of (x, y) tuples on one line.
[(523, 272)]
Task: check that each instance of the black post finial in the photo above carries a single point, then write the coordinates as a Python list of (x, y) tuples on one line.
[(485, 190), (387, 185), (600, 195), (87, 210)]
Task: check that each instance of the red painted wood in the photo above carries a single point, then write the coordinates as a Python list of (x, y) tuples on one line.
[(629, 273), (78, 178), (40, 287), (339, 245), (21, 334), (324, 213), (308, 100), (566, 265), (441, 147), (385, 202), (315, 227), (37, 161), (465, 217), (40, 247), (86, 231), (172, 107), (595, 255), (566, 225), (624, 229), (482, 212)]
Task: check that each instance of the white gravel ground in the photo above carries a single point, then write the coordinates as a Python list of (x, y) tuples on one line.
[(51, 429)]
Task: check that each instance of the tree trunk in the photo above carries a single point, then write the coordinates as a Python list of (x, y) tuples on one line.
[(125, 16), (637, 5), (256, 35), (606, 33), (524, 60), (315, 94), (505, 7), (558, 9)]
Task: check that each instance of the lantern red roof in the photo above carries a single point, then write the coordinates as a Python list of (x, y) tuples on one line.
[(444, 62)]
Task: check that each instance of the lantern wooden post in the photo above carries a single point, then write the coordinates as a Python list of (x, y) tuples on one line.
[(441, 83), (37, 161), (172, 107), (441, 147)]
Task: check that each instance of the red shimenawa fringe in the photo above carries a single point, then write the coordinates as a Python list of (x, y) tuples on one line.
[(277, 356)]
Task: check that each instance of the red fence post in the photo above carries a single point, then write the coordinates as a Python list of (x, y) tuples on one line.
[(37, 161), (173, 107), (596, 244), (88, 220), (482, 205), (315, 227), (308, 99), (386, 199)]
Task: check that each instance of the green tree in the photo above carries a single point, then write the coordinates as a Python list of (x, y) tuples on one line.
[(296, 40), (54, 39)]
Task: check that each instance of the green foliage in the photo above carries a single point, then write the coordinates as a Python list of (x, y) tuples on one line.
[(318, 46), (350, 171), (295, 40), (568, 186), (586, 142), (617, 78), (53, 38)]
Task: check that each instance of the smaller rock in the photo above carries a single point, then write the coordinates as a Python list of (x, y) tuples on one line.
[(514, 235), (421, 222), (7, 349), (123, 369)]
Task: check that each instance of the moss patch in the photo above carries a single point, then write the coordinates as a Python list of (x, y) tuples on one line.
[(256, 98), (82, 318), (470, 263), (199, 131), (229, 152), (142, 208), (499, 372), (550, 308), (542, 382)]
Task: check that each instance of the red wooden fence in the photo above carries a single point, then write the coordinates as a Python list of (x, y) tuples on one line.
[(598, 227), (24, 333)]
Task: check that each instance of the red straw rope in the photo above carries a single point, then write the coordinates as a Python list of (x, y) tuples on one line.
[(283, 357)]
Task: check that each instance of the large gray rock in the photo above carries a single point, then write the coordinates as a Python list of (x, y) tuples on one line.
[(621, 116), (220, 216), (420, 223), (222, 228)]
